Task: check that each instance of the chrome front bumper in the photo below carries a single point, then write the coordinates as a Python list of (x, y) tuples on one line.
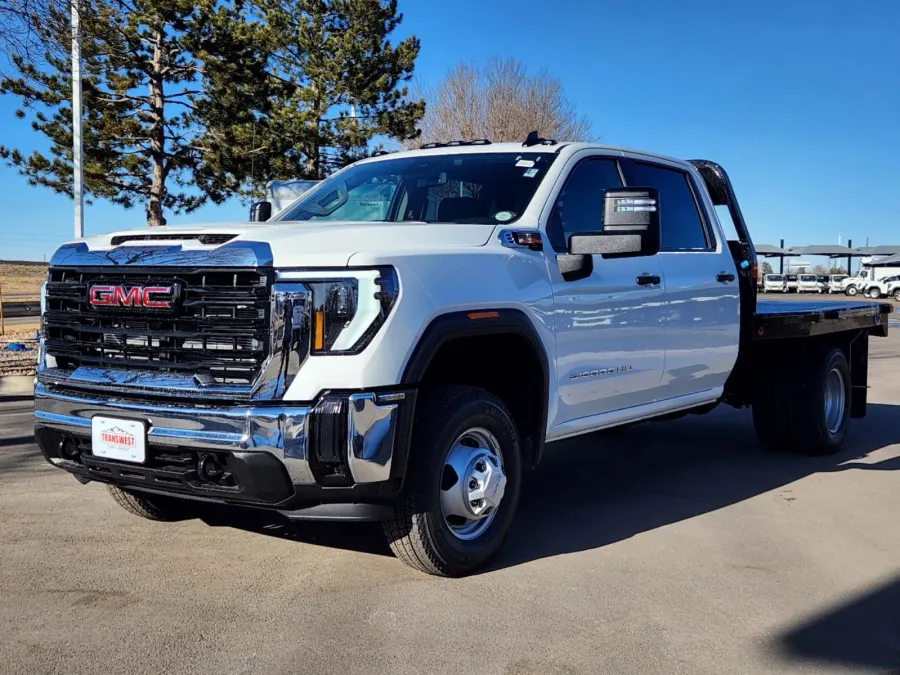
[(280, 430)]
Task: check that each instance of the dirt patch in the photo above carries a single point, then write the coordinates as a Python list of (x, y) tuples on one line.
[(20, 281), (18, 362)]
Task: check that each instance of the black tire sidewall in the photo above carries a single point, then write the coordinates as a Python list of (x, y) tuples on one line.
[(812, 431), (487, 414)]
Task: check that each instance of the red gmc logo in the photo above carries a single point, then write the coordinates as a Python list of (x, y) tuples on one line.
[(151, 297)]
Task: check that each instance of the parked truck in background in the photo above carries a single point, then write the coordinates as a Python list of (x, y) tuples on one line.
[(792, 283), (866, 275), (885, 287), (774, 283), (414, 334), (808, 283), (836, 283)]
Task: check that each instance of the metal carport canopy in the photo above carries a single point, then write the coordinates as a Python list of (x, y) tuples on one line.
[(769, 251), (879, 250), (827, 250), (893, 260)]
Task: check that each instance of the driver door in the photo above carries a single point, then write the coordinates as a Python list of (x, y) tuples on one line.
[(610, 330)]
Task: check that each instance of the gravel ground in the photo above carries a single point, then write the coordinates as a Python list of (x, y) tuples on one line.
[(18, 363)]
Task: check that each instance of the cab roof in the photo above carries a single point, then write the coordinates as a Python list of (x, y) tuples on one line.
[(561, 148)]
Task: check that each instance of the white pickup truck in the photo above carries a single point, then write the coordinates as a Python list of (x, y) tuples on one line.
[(413, 334), (886, 287)]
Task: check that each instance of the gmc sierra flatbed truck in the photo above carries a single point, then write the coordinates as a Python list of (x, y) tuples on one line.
[(411, 335)]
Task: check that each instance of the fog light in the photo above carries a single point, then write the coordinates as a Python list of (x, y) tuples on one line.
[(68, 448)]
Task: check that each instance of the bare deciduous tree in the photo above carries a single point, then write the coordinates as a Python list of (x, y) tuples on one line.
[(27, 28), (500, 102)]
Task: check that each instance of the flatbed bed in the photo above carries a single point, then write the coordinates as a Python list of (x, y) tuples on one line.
[(776, 319)]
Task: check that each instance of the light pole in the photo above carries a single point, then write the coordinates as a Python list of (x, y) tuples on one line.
[(77, 151)]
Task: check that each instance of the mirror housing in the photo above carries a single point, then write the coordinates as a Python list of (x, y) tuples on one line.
[(630, 226), (260, 212)]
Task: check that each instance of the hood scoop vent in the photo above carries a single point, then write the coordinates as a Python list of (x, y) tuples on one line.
[(205, 239)]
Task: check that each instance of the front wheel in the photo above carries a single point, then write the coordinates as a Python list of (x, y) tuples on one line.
[(851, 290), (874, 293), (897, 295), (465, 475)]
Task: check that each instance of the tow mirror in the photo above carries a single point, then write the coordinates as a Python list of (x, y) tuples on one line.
[(630, 226), (260, 212)]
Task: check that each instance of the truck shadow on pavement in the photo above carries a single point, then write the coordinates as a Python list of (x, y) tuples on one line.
[(598, 489), (606, 487), (862, 633), (359, 537), (602, 488)]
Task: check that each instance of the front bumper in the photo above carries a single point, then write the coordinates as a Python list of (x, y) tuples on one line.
[(341, 448)]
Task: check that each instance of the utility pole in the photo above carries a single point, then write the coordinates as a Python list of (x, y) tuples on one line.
[(77, 150)]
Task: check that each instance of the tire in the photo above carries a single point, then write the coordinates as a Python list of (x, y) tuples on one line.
[(150, 506), (813, 430), (897, 295), (874, 293), (851, 290), (419, 533)]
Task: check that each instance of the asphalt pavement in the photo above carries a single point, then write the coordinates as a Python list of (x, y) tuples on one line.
[(677, 547)]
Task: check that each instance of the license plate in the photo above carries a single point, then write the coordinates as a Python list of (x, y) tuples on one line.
[(124, 440)]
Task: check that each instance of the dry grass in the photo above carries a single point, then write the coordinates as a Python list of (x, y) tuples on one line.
[(21, 280)]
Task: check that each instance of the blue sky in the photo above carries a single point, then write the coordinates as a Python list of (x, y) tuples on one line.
[(799, 100)]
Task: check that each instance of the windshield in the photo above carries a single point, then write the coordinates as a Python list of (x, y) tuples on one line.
[(479, 188), (839, 277), (774, 277), (807, 277), (792, 277)]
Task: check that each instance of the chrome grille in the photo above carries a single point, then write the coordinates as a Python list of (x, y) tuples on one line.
[(218, 330)]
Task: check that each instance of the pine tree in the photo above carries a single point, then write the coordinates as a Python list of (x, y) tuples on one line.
[(151, 70), (335, 82)]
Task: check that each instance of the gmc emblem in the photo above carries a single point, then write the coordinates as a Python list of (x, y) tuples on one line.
[(150, 297)]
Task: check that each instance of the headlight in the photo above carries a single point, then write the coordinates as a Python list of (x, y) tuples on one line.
[(347, 308)]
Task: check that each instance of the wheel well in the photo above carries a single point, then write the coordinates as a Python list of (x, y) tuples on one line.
[(508, 366)]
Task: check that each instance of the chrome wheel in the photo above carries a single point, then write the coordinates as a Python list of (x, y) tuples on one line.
[(835, 400), (851, 290), (472, 483)]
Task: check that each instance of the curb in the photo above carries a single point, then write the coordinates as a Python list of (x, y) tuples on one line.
[(17, 385)]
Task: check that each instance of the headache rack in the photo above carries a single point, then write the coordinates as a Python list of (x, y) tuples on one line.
[(217, 329)]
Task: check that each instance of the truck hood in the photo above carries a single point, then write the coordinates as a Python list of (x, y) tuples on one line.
[(305, 244)]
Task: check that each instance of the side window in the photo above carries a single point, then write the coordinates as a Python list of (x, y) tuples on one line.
[(579, 207), (682, 227)]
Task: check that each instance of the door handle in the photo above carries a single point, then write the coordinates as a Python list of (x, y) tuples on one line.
[(647, 279), (724, 277)]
